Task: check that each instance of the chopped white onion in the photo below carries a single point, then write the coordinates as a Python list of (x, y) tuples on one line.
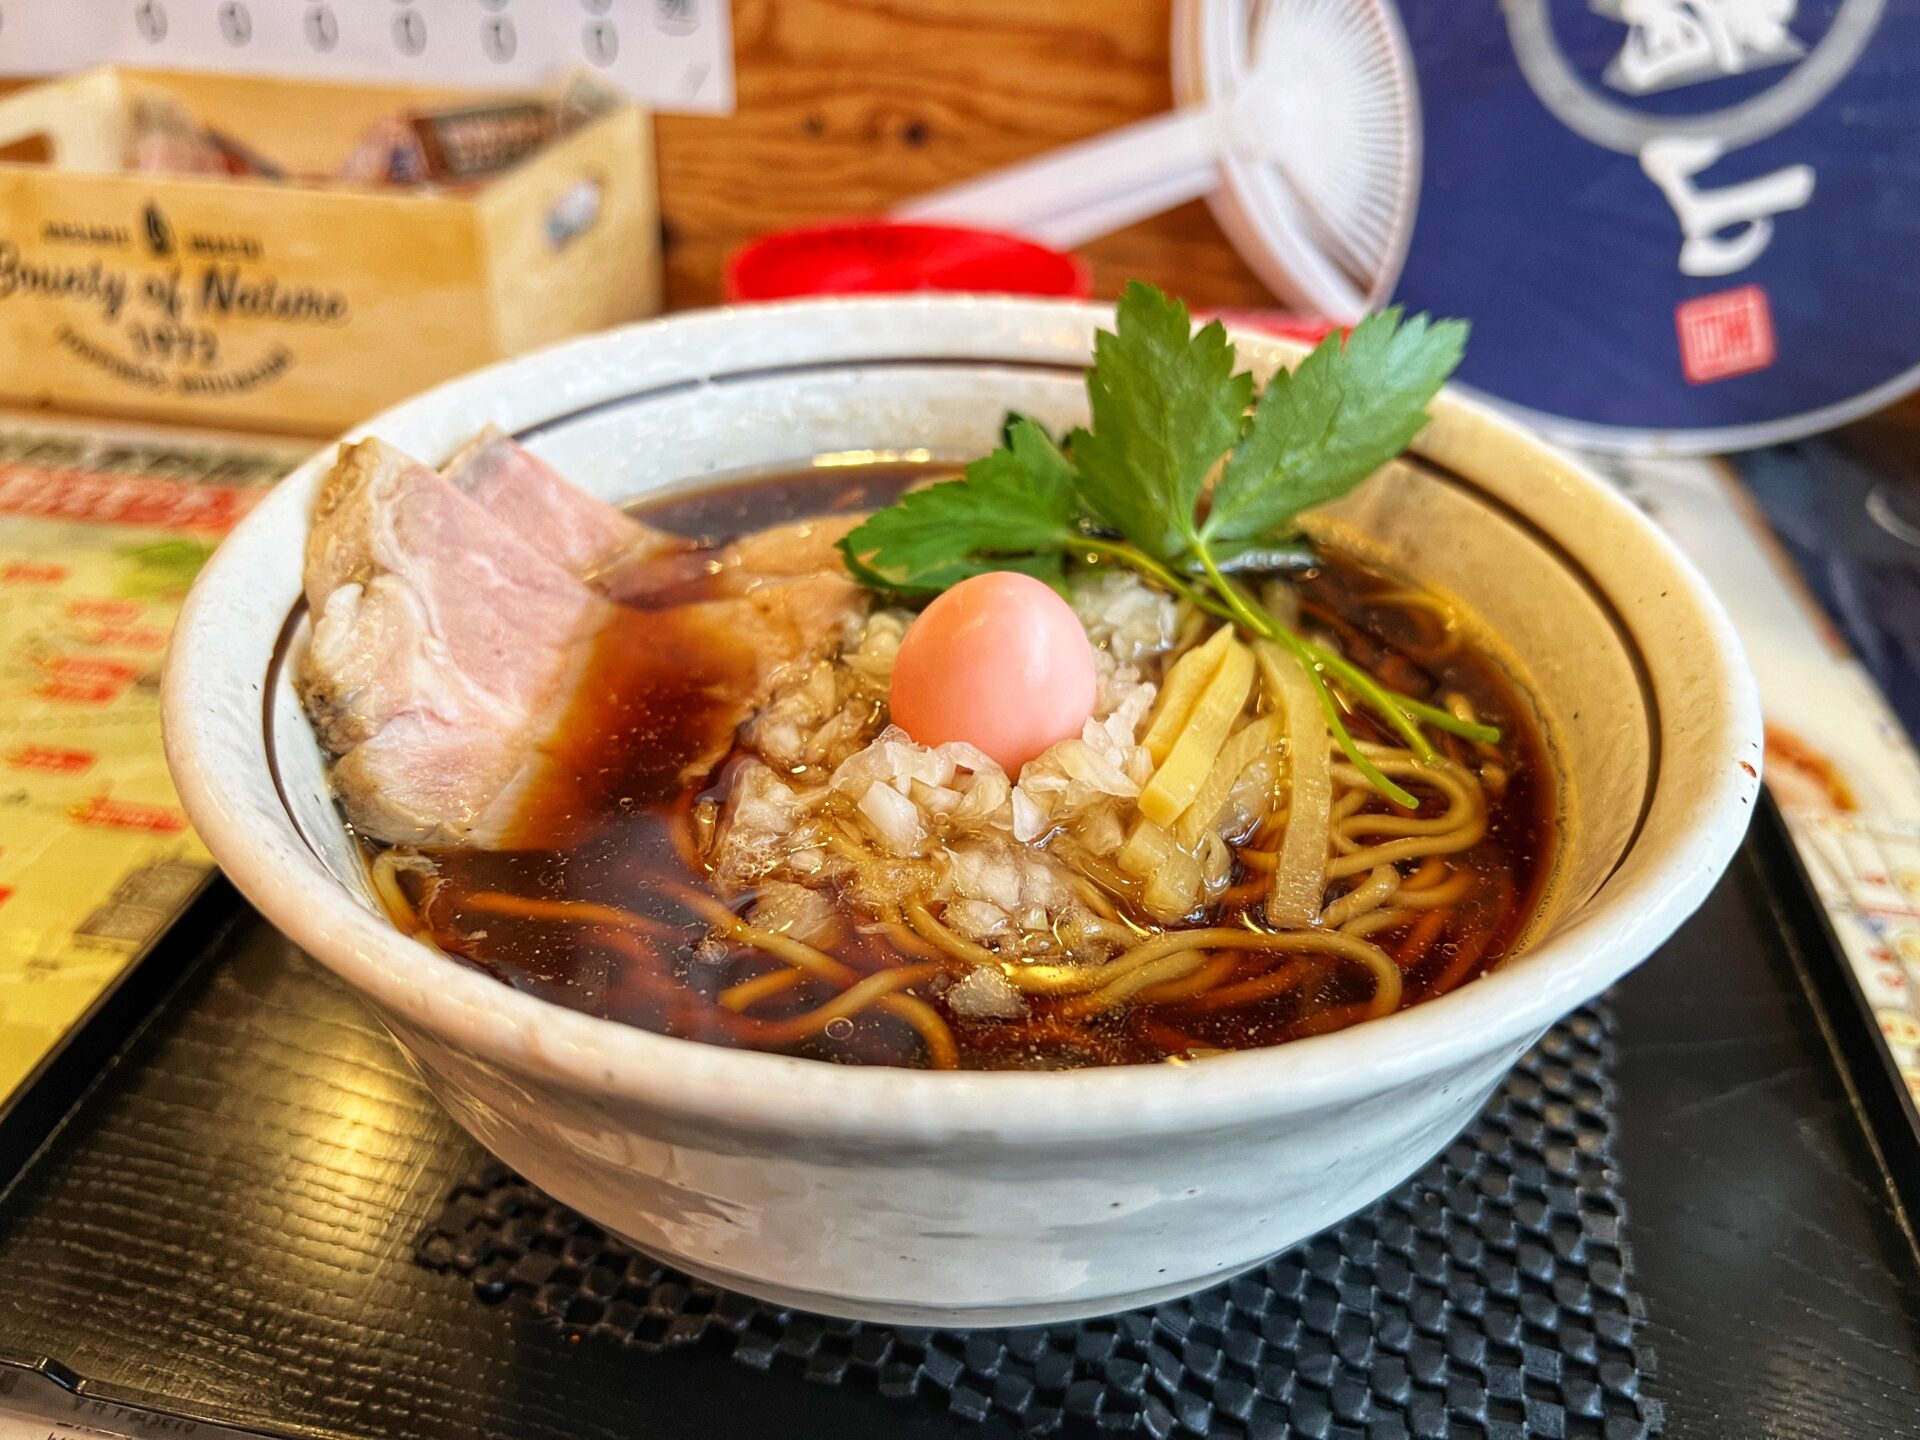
[(939, 799), (1102, 831), (894, 818), (985, 994), (796, 910), (976, 919), (1124, 615), (1085, 764), (1029, 820), (986, 872)]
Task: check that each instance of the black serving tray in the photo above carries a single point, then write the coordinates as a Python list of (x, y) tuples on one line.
[(220, 1232)]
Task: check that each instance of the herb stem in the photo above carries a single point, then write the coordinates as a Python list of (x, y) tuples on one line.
[(1318, 662), (1386, 703), (1230, 603), (1138, 559), (1446, 720), (1258, 621), (1227, 601)]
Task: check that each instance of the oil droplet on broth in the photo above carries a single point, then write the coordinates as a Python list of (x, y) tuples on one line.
[(839, 1028)]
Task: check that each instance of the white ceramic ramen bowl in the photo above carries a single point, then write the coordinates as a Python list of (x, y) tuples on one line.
[(988, 1198)]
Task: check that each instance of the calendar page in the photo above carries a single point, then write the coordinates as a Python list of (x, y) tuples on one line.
[(673, 55)]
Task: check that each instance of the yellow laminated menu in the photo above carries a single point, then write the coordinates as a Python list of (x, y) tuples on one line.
[(98, 542)]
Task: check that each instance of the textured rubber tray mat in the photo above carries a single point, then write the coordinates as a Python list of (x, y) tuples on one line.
[(1490, 1296)]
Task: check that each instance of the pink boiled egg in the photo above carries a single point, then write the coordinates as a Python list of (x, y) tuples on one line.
[(999, 661)]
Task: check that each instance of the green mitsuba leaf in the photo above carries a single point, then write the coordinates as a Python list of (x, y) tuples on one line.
[(1013, 510), (1323, 428), (1166, 406)]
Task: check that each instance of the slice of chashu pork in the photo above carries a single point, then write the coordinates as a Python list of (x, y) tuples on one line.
[(456, 644)]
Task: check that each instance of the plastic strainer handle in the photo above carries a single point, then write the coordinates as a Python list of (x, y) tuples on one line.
[(1082, 191)]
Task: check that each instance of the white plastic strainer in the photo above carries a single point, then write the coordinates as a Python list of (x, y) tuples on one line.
[(1298, 121)]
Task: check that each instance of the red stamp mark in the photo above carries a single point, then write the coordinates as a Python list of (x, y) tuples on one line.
[(51, 759), (1727, 334), (125, 815), (80, 692), (68, 493), (89, 668), (128, 637), (93, 608), (85, 680), (32, 572)]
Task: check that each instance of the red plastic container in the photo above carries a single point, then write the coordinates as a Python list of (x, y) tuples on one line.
[(877, 257)]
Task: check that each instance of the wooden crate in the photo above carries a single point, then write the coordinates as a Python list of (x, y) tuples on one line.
[(288, 306)]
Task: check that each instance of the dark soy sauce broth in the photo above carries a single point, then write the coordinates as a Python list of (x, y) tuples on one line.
[(606, 836)]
